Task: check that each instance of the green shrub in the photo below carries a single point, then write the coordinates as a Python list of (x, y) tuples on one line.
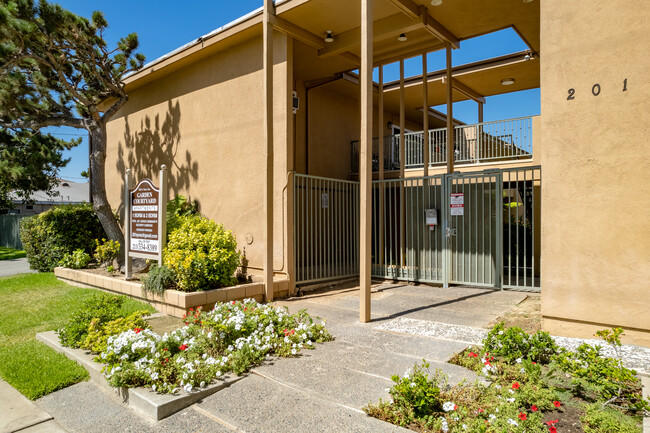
[(202, 254), (605, 420), (417, 393), (177, 209), (106, 251), (513, 343), (48, 236), (103, 307), (79, 259), (159, 279), (98, 332)]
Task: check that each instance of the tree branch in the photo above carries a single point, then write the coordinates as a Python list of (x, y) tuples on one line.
[(111, 111), (43, 123)]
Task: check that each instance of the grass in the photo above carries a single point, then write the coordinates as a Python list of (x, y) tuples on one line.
[(10, 253), (32, 303)]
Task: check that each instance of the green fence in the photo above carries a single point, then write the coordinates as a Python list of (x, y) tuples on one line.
[(10, 231)]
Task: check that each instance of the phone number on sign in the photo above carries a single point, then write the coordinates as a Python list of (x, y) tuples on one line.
[(144, 245)]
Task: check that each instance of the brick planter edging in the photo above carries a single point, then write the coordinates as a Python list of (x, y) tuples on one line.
[(173, 302), (143, 400)]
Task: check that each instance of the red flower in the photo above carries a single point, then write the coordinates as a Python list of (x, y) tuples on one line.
[(515, 385), (472, 355), (165, 348), (534, 408), (551, 422), (137, 330), (534, 362), (522, 416), (552, 429), (183, 347), (487, 363), (557, 403)]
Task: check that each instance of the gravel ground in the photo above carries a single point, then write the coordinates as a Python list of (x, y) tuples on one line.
[(634, 357)]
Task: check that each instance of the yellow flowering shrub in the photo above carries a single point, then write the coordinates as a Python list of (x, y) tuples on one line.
[(202, 254)]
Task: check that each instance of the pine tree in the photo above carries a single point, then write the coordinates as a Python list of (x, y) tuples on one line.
[(56, 70)]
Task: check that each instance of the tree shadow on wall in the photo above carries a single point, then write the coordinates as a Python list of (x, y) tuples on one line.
[(156, 142)]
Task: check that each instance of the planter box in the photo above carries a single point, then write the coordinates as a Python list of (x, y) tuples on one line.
[(143, 400), (173, 302)]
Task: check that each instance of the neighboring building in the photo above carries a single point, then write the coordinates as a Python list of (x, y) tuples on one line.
[(579, 233), (67, 192)]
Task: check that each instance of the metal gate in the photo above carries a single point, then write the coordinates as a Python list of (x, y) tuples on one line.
[(480, 229), (471, 223)]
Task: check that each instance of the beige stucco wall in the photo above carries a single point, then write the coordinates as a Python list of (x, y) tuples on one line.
[(596, 167), (205, 123)]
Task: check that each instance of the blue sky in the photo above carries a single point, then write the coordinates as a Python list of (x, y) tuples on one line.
[(165, 25)]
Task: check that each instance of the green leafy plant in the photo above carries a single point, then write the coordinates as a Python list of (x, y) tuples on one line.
[(202, 254), (79, 259), (177, 208), (605, 420), (110, 269), (106, 251), (513, 343), (417, 393), (104, 308), (98, 332), (158, 279), (232, 337), (47, 237)]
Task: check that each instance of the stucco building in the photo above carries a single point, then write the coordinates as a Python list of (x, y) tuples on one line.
[(275, 125)]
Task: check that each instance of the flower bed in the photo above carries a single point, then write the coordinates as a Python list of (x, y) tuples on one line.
[(171, 302), (532, 386), (233, 337)]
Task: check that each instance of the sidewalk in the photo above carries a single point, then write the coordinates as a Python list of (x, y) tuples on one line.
[(326, 388), (15, 266), (20, 414)]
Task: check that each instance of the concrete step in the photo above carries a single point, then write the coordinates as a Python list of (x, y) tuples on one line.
[(258, 404), (86, 408)]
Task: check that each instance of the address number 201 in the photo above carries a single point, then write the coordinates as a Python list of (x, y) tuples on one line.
[(595, 90)]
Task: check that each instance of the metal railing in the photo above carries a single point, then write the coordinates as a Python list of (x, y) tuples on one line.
[(500, 140), (326, 224)]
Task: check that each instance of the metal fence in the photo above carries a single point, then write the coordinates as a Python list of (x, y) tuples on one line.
[(486, 230), (404, 247), (326, 228), (10, 231), (500, 140)]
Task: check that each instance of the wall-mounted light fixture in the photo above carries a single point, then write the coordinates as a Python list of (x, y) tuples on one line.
[(402, 37), (328, 37), (436, 2), (527, 1), (508, 81)]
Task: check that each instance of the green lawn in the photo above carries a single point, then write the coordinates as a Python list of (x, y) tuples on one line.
[(10, 253), (32, 303)]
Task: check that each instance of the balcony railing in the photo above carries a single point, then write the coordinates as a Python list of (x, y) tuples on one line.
[(501, 140)]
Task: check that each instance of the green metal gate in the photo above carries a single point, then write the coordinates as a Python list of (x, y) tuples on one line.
[(480, 229)]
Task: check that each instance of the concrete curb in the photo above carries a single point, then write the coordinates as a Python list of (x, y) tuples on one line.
[(143, 400)]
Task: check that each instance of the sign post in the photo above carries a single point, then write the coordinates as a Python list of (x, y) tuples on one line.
[(145, 219)]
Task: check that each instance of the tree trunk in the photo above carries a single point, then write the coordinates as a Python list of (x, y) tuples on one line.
[(98, 186)]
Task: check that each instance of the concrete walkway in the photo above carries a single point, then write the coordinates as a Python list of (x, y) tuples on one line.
[(20, 414), (14, 266), (326, 388)]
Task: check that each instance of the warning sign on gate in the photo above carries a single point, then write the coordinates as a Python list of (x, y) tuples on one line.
[(457, 203)]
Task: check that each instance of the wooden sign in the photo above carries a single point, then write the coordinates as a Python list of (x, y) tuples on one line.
[(145, 207), (145, 228)]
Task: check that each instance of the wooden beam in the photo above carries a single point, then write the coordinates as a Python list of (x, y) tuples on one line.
[(450, 114), (425, 116), (413, 10), (407, 7), (465, 90), (267, 62), (296, 32), (355, 60), (365, 162), (439, 31), (383, 29)]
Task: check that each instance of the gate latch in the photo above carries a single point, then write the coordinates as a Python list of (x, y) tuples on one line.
[(450, 232)]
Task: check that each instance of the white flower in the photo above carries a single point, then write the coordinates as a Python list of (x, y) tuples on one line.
[(492, 417), (512, 422), (293, 351), (510, 400), (518, 360), (412, 384), (448, 406)]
